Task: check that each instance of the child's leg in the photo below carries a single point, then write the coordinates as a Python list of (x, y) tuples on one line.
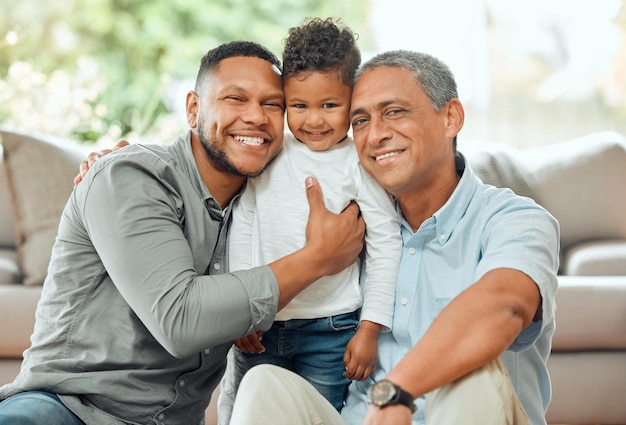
[(274, 352), (238, 364), (319, 359), (235, 369)]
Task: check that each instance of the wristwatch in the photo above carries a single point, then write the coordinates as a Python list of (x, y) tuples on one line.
[(385, 393)]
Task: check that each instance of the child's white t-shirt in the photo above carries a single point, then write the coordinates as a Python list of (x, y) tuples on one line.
[(269, 222)]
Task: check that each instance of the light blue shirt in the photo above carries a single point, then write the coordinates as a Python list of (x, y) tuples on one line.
[(480, 228)]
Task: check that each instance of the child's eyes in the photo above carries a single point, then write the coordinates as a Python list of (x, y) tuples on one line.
[(304, 106)]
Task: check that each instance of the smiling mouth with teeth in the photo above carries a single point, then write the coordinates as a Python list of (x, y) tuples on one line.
[(251, 141), (387, 155)]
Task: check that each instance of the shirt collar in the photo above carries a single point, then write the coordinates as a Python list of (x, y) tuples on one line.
[(448, 216), (188, 162)]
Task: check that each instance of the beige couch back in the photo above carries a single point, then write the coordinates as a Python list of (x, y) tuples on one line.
[(7, 224)]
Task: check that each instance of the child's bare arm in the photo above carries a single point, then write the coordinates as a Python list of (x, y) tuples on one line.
[(361, 352)]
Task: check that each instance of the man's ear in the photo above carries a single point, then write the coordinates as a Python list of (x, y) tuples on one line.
[(191, 107), (455, 117)]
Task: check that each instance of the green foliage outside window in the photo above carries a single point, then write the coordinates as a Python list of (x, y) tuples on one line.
[(95, 69)]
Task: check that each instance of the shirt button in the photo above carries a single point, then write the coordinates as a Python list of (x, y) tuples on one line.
[(404, 301), (161, 416), (182, 383), (442, 238), (217, 266), (207, 351), (412, 251)]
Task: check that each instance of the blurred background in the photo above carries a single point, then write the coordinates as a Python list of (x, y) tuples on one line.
[(530, 72)]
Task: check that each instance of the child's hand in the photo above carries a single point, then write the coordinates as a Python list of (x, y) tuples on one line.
[(361, 353), (251, 343)]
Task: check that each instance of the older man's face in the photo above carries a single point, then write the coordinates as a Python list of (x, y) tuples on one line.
[(401, 140)]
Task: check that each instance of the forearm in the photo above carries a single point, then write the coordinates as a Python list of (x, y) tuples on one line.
[(383, 249), (295, 272), (475, 328), (370, 328)]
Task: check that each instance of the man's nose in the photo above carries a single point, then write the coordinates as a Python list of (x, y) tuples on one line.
[(378, 131), (255, 114)]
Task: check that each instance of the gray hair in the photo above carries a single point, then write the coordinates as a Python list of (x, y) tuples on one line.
[(430, 73)]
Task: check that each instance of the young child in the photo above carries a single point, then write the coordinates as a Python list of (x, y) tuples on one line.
[(328, 333)]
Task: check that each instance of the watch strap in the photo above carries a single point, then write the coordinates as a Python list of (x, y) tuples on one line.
[(399, 396), (405, 398)]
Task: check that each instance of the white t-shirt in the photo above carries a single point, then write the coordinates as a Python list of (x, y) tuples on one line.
[(269, 222)]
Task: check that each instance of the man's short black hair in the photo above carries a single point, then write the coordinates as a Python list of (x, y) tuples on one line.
[(233, 49)]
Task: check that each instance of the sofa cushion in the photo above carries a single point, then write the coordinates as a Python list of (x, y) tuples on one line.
[(590, 313), (18, 304), (588, 387), (7, 225), (40, 174), (582, 183), (497, 164), (9, 267), (598, 258)]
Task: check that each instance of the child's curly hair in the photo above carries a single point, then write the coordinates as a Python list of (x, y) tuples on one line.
[(322, 45)]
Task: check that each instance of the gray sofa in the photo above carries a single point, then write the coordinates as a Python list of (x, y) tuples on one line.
[(582, 182)]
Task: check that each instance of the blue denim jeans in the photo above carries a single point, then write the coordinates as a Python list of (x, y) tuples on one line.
[(35, 408), (312, 348)]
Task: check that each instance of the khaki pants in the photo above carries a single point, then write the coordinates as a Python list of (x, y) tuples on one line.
[(485, 396), (269, 395)]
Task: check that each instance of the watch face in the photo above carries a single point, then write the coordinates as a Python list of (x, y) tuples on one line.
[(382, 393)]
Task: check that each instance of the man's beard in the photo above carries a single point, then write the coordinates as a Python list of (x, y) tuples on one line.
[(219, 159), (217, 156)]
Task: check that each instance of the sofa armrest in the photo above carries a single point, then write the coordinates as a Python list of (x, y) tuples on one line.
[(7, 222), (596, 258), (590, 313), (18, 304)]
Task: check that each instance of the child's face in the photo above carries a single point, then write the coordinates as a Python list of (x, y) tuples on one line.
[(318, 108)]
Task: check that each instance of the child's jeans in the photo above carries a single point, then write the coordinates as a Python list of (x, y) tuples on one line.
[(312, 348)]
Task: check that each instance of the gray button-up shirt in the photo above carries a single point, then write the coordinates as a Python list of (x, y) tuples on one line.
[(136, 315)]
